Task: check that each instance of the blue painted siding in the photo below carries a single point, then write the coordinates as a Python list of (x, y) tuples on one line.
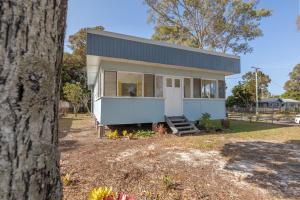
[(193, 108), (131, 110), (109, 111), (99, 45)]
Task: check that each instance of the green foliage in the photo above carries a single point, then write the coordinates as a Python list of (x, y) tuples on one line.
[(66, 179), (144, 133), (206, 122), (73, 65), (112, 135), (244, 93), (241, 97), (292, 86), (168, 181), (225, 26), (125, 133), (72, 93), (101, 193), (263, 84)]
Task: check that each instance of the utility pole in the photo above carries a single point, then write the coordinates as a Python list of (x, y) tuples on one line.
[(256, 88)]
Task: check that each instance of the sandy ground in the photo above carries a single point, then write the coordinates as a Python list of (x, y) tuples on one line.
[(241, 170)]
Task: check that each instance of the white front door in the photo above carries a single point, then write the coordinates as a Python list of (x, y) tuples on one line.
[(173, 96)]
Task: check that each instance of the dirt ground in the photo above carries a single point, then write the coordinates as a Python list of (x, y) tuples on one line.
[(241, 169)]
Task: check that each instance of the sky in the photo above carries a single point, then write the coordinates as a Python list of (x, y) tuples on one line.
[(275, 53)]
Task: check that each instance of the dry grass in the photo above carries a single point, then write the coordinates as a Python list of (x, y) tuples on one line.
[(249, 161)]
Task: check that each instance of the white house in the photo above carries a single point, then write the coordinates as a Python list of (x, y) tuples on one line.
[(135, 80)]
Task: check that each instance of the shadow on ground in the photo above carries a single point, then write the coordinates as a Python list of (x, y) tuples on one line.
[(68, 145), (273, 166)]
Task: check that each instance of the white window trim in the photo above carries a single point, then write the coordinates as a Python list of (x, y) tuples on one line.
[(191, 87), (206, 79)]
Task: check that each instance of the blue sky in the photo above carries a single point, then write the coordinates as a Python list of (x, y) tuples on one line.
[(276, 53)]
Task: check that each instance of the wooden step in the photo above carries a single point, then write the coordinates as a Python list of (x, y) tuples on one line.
[(185, 127), (177, 120), (187, 132), (181, 123)]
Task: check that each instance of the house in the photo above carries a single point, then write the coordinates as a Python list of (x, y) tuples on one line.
[(279, 103), (270, 103), (135, 80)]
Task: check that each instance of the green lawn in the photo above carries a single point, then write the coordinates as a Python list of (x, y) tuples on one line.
[(239, 131)]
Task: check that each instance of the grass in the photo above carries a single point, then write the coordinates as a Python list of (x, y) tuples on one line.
[(239, 131)]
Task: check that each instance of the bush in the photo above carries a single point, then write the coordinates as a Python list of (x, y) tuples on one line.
[(144, 133), (205, 122), (168, 181), (67, 179), (161, 129), (105, 193), (101, 193), (125, 133), (112, 135)]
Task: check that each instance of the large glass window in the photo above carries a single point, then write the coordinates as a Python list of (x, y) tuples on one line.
[(221, 88), (159, 86), (110, 83), (149, 85), (130, 84), (209, 89), (197, 87), (187, 88)]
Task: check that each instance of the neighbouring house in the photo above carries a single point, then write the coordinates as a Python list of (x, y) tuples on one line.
[(279, 103), (135, 80)]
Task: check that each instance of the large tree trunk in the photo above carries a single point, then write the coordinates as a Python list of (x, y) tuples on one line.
[(31, 47)]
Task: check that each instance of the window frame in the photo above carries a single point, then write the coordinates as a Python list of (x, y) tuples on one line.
[(117, 87), (217, 88), (104, 83), (138, 73), (191, 87)]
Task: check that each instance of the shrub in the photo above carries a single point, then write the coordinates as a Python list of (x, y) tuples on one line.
[(206, 122), (144, 133), (161, 129), (101, 193), (105, 193), (168, 181), (112, 135), (125, 133), (67, 179)]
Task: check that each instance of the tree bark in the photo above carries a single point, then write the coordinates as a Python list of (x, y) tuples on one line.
[(31, 47)]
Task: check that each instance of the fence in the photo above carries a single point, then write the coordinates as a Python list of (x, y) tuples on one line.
[(269, 116)]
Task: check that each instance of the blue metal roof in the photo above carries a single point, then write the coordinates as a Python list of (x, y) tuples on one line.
[(104, 44)]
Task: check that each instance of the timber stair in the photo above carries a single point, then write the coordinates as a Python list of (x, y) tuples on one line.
[(181, 125)]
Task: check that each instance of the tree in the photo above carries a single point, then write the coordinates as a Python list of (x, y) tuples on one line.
[(74, 63), (220, 25), (73, 93), (241, 97), (292, 86), (31, 49), (263, 83)]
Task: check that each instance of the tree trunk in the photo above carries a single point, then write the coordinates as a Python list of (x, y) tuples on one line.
[(31, 47)]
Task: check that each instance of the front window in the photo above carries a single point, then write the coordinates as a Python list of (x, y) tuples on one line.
[(110, 83), (130, 84), (209, 89), (159, 86), (197, 87), (187, 88), (149, 85)]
